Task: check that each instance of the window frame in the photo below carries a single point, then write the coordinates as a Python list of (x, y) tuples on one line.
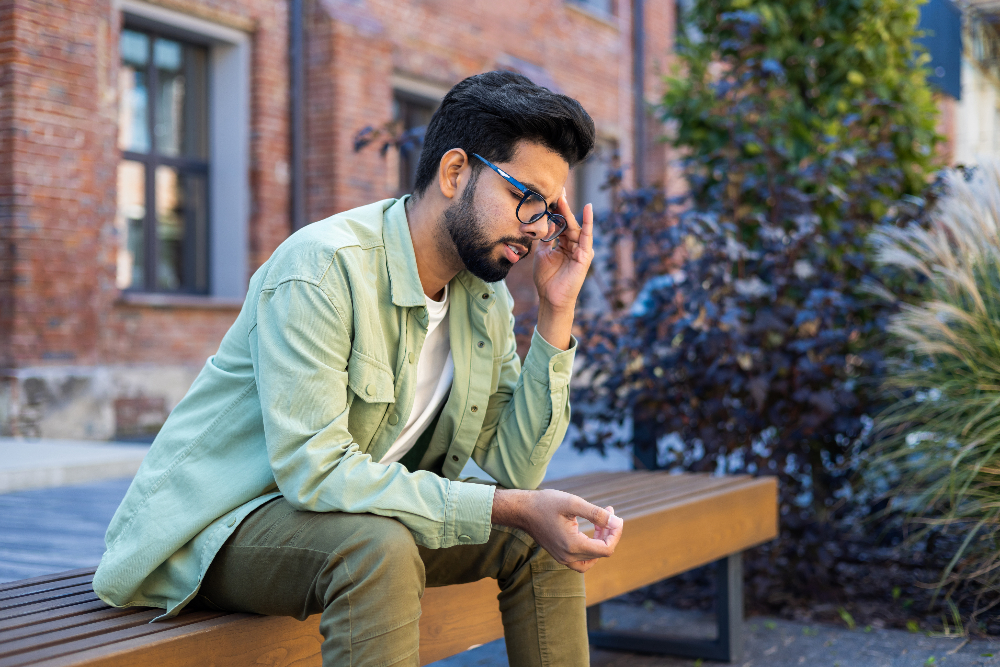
[(403, 96), (154, 159), (229, 194)]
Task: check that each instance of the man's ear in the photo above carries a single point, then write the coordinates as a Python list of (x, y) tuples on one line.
[(451, 171)]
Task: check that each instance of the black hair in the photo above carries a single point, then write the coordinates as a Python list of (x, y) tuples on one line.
[(490, 113)]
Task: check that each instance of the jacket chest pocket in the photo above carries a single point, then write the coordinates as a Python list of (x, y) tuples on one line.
[(371, 382), (370, 379)]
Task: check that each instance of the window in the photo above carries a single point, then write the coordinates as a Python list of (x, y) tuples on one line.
[(184, 132), (591, 177), (606, 7), (590, 180), (163, 178), (413, 113)]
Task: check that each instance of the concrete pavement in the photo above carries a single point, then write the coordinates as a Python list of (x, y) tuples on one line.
[(40, 463)]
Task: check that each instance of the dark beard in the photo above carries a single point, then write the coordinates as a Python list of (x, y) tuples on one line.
[(474, 249)]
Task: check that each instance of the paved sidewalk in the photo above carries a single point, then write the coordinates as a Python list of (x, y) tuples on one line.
[(42, 463), (768, 643)]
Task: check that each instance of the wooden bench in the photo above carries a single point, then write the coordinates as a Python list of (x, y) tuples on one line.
[(673, 523)]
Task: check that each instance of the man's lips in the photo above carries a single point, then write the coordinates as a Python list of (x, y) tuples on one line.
[(514, 251)]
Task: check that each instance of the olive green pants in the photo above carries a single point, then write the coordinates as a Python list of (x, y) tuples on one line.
[(366, 575)]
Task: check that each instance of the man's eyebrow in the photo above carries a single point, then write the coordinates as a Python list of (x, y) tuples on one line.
[(537, 189)]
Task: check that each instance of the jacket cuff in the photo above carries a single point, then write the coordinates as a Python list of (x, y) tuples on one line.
[(469, 514), (548, 364)]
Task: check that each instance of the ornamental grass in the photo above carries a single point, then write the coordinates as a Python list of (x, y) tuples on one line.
[(940, 439)]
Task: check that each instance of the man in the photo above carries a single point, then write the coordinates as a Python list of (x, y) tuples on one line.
[(313, 465)]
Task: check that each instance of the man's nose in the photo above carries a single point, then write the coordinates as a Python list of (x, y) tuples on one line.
[(536, 229)]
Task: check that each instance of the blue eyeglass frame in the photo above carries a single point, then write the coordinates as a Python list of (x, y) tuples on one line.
[(526, 192)]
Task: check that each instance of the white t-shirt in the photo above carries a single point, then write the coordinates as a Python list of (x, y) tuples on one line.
[(435, 371)]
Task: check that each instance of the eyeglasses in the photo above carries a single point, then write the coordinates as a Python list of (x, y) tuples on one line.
[(532, 205)]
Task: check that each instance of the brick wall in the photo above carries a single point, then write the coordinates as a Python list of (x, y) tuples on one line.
[(354, 48), (70, 343), (7, 66), (60, 147)]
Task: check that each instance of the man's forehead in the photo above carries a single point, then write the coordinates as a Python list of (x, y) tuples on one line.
[(540, 169)]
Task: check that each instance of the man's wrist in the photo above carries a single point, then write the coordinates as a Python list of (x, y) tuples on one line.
[(510, 508), (555, 324)]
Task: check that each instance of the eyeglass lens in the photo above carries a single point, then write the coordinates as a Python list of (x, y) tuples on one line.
[(532, 208)]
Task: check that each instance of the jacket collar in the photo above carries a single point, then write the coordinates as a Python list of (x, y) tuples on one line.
[(404, 278)]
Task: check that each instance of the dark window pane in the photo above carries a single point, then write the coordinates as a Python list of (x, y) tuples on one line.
[(413, 114), (133, 95), (194, 142), (181, 230), (129, 223), (181, 99)]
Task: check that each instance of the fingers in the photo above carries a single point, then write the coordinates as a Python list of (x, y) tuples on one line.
[(586, 236), (572, 232), (581, 565), (592, 513)]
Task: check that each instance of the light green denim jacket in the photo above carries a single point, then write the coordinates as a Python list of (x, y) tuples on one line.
[(311, 386)]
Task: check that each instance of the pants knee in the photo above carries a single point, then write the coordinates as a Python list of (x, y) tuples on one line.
[(385, 552)]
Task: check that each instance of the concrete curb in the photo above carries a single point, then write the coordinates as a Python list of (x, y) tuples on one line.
[(36, 464)]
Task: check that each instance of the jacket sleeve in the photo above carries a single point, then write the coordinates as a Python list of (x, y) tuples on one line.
[(300, 346), (528, 415)]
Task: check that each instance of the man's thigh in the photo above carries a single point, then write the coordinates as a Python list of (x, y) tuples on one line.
[(285, 562), (498, 556)]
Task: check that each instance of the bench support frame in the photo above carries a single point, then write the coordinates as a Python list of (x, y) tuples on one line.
[(726, 647)]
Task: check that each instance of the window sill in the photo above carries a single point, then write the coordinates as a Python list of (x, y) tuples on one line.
[(610, 20), (154, 300)]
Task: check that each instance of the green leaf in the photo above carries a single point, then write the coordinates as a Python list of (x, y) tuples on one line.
[(847, 618)]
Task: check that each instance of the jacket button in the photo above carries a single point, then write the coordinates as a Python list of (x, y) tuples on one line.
[(475, 408), (464, 539), (485, 295), (454, 457), (558, 366), (393, 419), (409, 357), (481, 344), (370, 389)]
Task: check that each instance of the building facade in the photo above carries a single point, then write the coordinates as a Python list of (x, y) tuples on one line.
[(153, 153)]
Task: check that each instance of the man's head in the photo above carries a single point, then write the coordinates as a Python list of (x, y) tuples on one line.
[(533, 134)]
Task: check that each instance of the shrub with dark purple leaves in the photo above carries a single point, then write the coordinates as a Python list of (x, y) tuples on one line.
[(753, 345)]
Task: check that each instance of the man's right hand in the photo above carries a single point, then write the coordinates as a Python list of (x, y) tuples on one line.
[(550, 517)]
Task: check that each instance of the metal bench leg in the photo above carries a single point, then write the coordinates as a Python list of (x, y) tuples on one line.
[(726, 647)]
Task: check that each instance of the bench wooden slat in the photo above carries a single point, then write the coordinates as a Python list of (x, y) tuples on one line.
[(45, 605), (233, 640), (64, 634), (604, 492), (72, 647), (655, 503), (646, 496), (44, 623), (673, 523), (15, 593), (52, 614), (44, 579), (51, 594)]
